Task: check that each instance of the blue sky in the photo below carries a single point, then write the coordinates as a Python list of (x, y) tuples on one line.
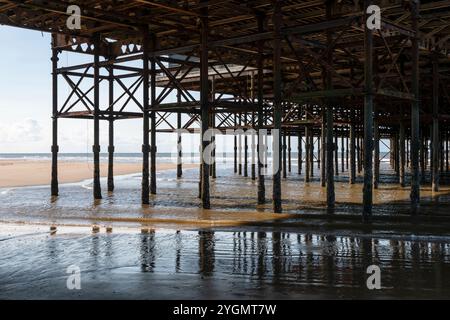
[(25, 103)]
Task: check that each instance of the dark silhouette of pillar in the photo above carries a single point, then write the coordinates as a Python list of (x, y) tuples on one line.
[(368, 121), (436, 136), (277, 208), (146, 116), (55, 147), (415, 106), (111, 131), (96, 146), (204, 102)]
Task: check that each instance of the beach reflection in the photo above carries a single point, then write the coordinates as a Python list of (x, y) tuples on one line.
[(219, 264)]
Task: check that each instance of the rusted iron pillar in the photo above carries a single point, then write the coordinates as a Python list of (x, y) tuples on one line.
[(323, 149), (111, 131), (329, 117), (277, 21), (415, 122), (55, 147), (352, 174), (368, 121), (436, 137), (376, 153), (261, 148), (96, 147), (145, 116), (204, 103), (402, 154), (179, 141), (153, 147)]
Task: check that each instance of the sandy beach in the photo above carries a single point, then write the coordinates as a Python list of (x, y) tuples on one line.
[(21, 173)]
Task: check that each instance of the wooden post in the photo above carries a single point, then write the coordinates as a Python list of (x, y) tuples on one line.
[(415, 107), (55, 147), (277, 21), (96, 146)]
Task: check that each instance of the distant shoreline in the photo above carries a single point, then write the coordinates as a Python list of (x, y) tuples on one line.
[(26, 173)]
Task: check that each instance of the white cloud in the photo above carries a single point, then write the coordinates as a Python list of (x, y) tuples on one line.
[(27, 130)]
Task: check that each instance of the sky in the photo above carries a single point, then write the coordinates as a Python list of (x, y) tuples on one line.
[(26, 105)]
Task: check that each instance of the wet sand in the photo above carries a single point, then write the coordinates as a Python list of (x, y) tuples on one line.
[(19, 173), (236, 250), (165, 264)]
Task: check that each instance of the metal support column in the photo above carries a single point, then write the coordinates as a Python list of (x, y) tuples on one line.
[(436, 137), (96, 147), (204, 102), (111, 131), (368, 121), (145, 118), (277, 22), (415, 106), (55, 147)]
